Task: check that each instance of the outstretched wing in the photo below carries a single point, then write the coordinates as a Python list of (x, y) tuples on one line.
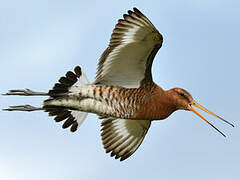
[(128, 59), (122, 137)]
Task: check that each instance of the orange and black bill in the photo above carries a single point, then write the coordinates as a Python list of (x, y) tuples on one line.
[(204, 109)]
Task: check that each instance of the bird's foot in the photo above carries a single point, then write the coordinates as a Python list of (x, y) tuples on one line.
[(25, 92), (23, 108)]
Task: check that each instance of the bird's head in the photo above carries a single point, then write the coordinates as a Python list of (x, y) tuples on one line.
[(183, 100)]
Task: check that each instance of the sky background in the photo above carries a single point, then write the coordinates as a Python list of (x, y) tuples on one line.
[(41, 40)]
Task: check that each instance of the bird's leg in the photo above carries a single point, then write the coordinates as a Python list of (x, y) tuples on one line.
[(27, 107), (26, 92)]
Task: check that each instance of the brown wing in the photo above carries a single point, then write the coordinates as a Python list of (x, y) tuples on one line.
[(122, 137), (128, 59)]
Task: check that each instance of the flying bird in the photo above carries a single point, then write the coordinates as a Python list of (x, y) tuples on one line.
[(123, 94)]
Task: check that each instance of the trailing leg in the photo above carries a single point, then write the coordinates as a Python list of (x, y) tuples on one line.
[(26, 92), (27, 107)]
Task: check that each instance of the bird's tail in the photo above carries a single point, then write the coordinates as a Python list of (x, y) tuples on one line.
[(60, 90)]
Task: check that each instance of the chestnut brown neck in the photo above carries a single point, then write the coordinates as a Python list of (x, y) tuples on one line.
[(165, 103), (158, 105)]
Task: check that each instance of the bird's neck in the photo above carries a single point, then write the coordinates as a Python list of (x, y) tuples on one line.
[(165, 103), (157, 105)]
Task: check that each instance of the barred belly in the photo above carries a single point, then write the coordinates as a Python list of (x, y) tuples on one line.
[(114, 101), (111, 101)]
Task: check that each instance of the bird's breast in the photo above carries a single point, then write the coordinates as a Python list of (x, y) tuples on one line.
[(127, 103), (153, 105)]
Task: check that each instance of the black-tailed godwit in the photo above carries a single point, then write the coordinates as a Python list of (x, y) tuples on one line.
[(123, 93)]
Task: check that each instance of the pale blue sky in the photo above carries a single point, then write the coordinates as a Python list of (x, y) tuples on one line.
[(41, 40)]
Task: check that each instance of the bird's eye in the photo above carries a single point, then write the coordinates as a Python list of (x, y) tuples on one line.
[(182, 94)]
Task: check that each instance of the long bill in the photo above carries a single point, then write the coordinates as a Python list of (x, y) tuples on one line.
[(206, 110)]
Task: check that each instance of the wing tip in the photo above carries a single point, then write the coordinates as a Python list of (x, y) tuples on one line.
[(119, 140)]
